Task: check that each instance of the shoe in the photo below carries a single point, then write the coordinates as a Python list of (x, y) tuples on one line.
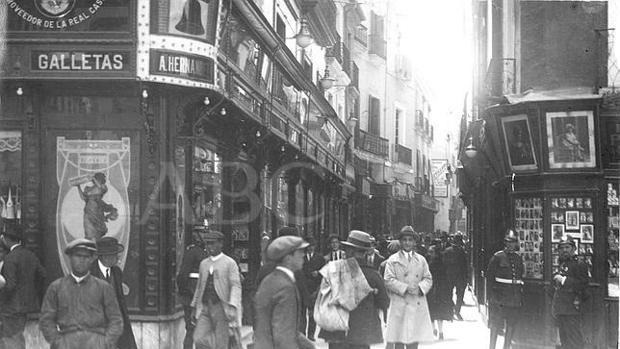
[(440, 336), (459, 317)]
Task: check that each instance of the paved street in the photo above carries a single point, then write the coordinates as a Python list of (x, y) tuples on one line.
[(469, 333)]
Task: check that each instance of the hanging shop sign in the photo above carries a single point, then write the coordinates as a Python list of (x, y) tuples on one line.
[(440, 168), (427, 202), (54, 14), (185, 66), (79, 61)]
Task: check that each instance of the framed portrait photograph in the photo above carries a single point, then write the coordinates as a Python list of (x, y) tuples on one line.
[(587, 233), (572, 220), (518, 141), (570, 138), (557, 231)]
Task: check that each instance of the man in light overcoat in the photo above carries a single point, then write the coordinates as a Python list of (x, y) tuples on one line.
[(408, 280)]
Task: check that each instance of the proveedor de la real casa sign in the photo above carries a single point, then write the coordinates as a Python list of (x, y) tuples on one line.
[(53, 14)]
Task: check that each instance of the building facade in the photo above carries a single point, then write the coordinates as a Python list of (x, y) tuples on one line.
[(538, 154)]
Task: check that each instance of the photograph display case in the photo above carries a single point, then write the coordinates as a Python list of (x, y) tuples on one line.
[(572, 216), (10, 176), (529, 226), (613, 227)]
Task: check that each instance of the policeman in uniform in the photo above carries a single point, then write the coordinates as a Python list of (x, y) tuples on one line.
[(188, 277), (570, 284), (505, 289)]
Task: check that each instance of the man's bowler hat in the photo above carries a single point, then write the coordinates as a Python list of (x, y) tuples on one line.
[(108, 245)]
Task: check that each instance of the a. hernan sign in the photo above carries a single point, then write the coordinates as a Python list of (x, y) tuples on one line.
[(54, 14), (82, 61), (185, 66)]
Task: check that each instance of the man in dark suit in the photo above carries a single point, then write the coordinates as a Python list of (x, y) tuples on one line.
[(455, 261), (21, 294), (335, 252), (373, 257), (105, 268), (313, 262), (570, 286), (278, 303), (188, 277)]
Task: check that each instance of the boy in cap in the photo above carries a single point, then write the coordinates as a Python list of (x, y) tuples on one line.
[(570, 284), (217, 299), (408, 280), (20, 295), (106, 268), (79, 310), (505, 289), (277, 301)]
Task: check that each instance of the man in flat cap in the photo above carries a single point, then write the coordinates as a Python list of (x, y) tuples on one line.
[(505, 290), (79, 310), (570, 285), (217, 299), (106, 268), (408, 280), (21, 294), (278, 303)]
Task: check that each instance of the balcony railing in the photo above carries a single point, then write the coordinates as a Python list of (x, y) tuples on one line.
[(403, 154), (336, 51), (377, 46), (371, 143), (361, 35)]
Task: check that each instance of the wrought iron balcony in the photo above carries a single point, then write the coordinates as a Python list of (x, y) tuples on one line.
[(371, 143), (335, 51), (361, 35), (403, 154)]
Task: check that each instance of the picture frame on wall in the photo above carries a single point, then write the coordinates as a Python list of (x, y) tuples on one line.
[(570, 138), (572, 220), (587, 233), (557, 231), (518, 142)]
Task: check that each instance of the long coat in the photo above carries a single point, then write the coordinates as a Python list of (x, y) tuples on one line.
[(127, 339), (409, 320), (568, 297), (364, 321), (439, 299), (24, 277), (278, 307)]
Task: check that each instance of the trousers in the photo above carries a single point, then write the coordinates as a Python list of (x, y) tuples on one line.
[(12, 331), (211, 330), (307, 322), (570, 331)]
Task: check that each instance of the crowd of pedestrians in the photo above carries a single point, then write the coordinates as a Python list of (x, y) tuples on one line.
[(361, 291)]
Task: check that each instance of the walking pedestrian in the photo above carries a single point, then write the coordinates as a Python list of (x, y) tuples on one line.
[(570, 285), (106, 268), (439, 298), (23, 275), (217, 299), (408, 280), (335, 252), (373, 257), (313, 262), (278, 303), (455, 261), (364, 321), (187, 279), (505, 290), (81, 311)]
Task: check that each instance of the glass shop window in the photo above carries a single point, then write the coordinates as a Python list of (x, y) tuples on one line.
[(10, 176), (69, 16), (613, 226), (207, 187)]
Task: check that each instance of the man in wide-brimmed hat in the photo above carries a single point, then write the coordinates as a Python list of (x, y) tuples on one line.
[(505, 289), (408, 280), (106, 268), (79, 310), (21, 295), (364, 321), (217, 299), (571, 282), (277, 301)]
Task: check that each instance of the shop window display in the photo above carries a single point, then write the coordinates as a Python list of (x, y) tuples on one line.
[(613, 226), (207, 187), (10, 175), (572, 216), (529, 225)]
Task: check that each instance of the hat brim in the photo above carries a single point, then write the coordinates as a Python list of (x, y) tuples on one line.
[(71, 250), (346, 243), (119, 248)]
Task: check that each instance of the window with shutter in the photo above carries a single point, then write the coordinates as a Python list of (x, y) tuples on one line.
[(374, 116)]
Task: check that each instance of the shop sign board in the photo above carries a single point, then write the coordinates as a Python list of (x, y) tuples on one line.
[(59, 15), (426, 201), (182, 65), (440, 167), (79, 61)]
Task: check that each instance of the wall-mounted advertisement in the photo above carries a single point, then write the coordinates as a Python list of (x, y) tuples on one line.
[(196, 19), (440, 168), (570, 137), (519, 145)]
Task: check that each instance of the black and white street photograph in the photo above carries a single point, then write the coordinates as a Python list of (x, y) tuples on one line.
[(309, 174)]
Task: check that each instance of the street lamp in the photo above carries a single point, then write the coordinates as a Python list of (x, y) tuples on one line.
[(304, 38), (327, 81), (471, 151)]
